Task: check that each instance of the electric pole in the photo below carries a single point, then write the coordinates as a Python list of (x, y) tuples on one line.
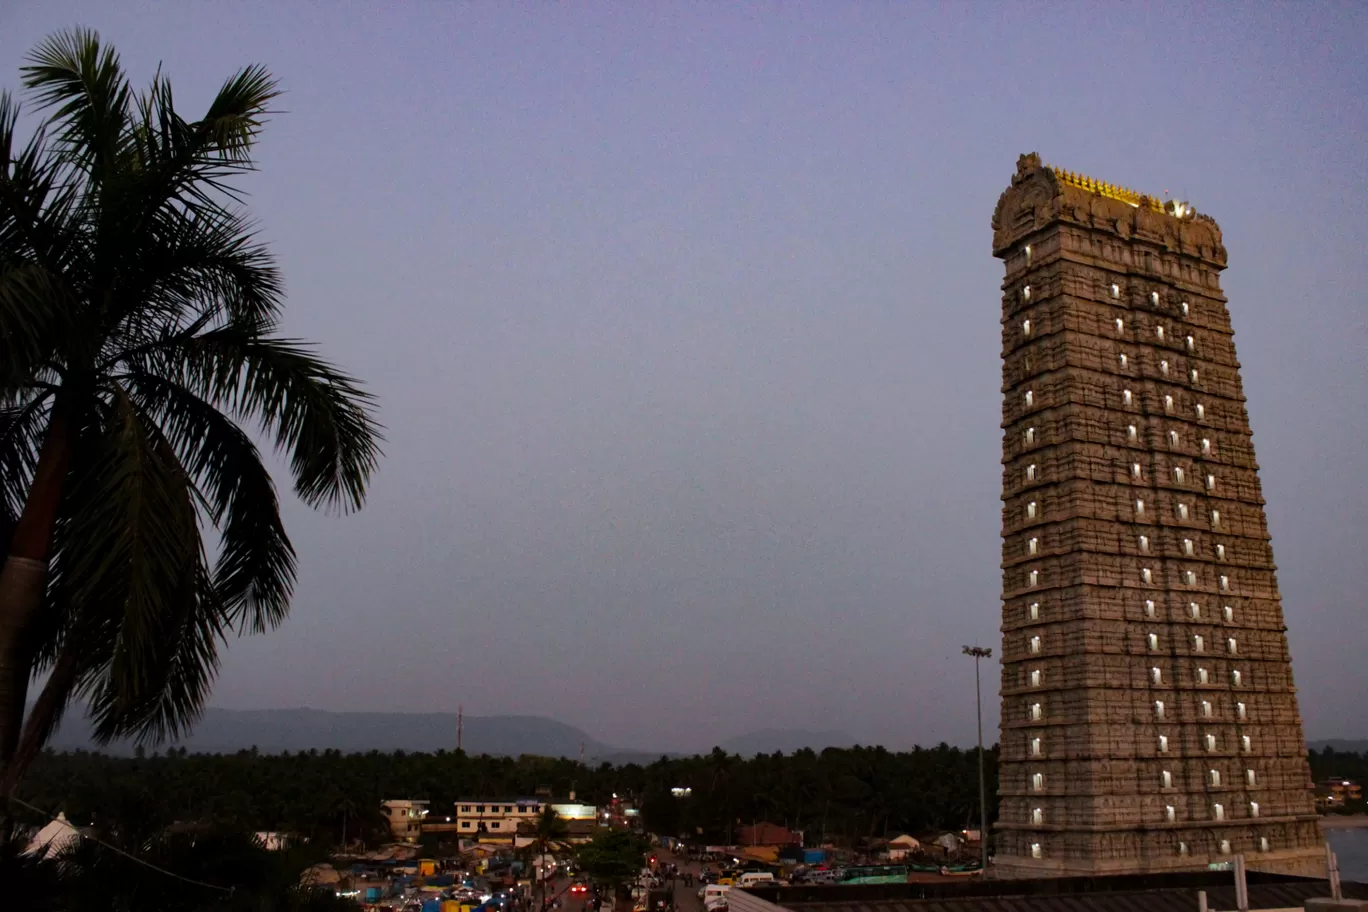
[(979, 652)]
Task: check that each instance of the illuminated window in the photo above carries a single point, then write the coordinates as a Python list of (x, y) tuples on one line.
[(1183, 306), (1031, 472), (1206, 446), (1163, 744), (1119, 325), (1190, 577), (1116, 290), (1037, 815), (1154, 297), (1206, 708), (1037, 712), (1201, 411), (1159, 333), (1192, 375), (1158, 709), (1211, 482), (1251, 778), (1149, 607), (1035, 611), (1231, 646), (1038, 781), (1178, 474), (1215, 517), (1026, 292), (1028, 253), (1228, 613), (1220, 552), (1253, 809), (1126, 398), (1197, 644), (1123, 360), (1182, 511), (1025, 327), (1156, 675), (1239, 711), (1036, 851), (1132, 434), (1035, 677), (1218, 811), (1169, 814), (1031, 510), (1135, 470), (1144, 543), (1195, 610), (1182, 848), (1225, 846), (1225, 583), (1235, 677), (1173, 438), (1168, 403), (1246, 744), (1146, 576), (1035, 644), (1033, 545), (1035, 747), (1153, 640), (1163, 368), (1191, 344), (1030, 435), (1166, 779), (1035, 577), (1211, 742), (1201, 676), (1187, 547), (1140, 507), (1263, 843)]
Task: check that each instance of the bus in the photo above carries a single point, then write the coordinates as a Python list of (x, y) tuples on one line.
[(872, 874)]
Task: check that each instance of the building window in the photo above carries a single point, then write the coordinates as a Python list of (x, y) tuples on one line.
[(1031, 510), (1035, 677), (1120, 326), (1146, 576), (1149, 607), (1192, 375), (1030, 398), (1206, 446), (1163, 368), (1201, 676), (465, 824), (1158, 709), (1211, 742), (1239, 711), (1031, 472), (1215, 517), (1218, 811), (1030, 435), (1235, 677), (479, 808), (1190, 577), (1177, 474), (1035, 644), (1228, 613), (1220, 552), (1156, 676), (1123, 360), (1253, 809), (1225, 583), (1033, 545), (1037, 816), (1153, 640), (1211, 482), (1225, 846), (1251, 778), (1163, 744), (1028, 259), (1159, 333), (1168, 403), (1140, 507), (1183, 306), (1188, 547), (1206, 709), (1035, 747), (1035, 577), (1131, 433), (1201, 411), (1038, 782), (494, 825), (1166, 779), (1036, 850), (1246, 744), (1197, 644), (1263, 843), (1135, 470), (1169, 814), (1173, 438), (1182, 511), (1182, 848), (1191, 345), (1116, 290), (1195, 610), (1035, 611), (1026, 292), (1126, 398)]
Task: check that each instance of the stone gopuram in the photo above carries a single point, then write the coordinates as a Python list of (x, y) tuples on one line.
[(1149, 720)]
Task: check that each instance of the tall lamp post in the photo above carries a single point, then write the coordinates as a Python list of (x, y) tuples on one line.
[(979, 652)]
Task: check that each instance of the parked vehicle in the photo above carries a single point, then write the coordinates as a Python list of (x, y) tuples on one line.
[(751, 878)]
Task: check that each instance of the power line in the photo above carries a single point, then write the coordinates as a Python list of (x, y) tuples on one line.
[(128, 855)]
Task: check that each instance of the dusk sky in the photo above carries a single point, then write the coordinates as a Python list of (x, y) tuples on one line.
[(683, 321)]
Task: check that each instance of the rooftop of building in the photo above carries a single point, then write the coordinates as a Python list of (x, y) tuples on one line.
[(1176, 892)]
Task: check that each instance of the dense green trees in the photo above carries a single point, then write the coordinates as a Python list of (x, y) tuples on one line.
[(138, 330), (843, 795)]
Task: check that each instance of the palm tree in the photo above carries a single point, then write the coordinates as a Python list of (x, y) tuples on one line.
[(138, 318), (549, 828)]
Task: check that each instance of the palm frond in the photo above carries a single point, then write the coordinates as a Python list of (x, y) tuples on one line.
[(85, 86)]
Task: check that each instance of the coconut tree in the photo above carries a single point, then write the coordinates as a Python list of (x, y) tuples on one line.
[(138, 335)]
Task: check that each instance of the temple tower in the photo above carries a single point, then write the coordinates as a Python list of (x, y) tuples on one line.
[(1149, 720)]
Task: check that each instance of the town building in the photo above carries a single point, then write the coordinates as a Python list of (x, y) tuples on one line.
[(1149, 718), (405, 818), (478, 818), (1336, 793)]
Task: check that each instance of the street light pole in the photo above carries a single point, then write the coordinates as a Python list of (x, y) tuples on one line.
[(979, 652)]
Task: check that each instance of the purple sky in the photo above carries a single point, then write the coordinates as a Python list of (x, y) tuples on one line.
[(684, 322)]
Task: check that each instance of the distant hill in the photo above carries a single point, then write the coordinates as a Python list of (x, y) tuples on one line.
[(278, 730), (1348, 745), (784, 740)]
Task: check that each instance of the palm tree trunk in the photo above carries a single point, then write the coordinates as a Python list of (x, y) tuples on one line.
[(24, 575)]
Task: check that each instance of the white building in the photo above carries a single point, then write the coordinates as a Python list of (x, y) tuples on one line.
[(405, 818), (476, 817)]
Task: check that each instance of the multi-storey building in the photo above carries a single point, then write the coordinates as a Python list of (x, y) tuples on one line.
[(1149, 721), (405, 817), (488, 817)]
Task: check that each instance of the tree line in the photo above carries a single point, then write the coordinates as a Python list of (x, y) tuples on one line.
[(840, 794)]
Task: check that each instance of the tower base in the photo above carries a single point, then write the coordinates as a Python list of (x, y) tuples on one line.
[(1306, 862)]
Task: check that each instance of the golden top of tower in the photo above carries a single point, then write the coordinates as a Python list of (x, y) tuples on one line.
[(1112, 191)]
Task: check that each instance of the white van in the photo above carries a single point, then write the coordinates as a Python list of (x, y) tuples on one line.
[(714, 894), (751, 878)]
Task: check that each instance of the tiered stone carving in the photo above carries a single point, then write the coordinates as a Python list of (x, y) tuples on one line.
[(1149, 719)]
